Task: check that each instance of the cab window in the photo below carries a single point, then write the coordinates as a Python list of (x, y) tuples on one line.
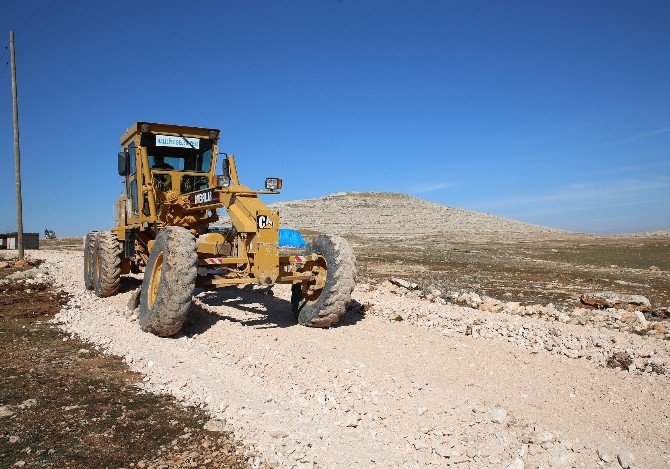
[(133, 196), (181, 159), (131, 154), (131, 180), (193, 183)]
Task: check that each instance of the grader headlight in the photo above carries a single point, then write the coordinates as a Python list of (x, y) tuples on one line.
[(273, 184), (223, 181)]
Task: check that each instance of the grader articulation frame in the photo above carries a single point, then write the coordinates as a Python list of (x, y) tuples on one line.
[(171, 196)]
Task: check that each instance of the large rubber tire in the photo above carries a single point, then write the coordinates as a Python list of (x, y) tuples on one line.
[(174, 253), (106, 264), (331, 304), (89, 245)]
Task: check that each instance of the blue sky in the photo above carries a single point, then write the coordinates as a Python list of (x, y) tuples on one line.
[(555, 113)]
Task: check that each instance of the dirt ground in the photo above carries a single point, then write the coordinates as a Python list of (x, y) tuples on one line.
[(551, 271), (405, 382), (65, 404), (62, 244)]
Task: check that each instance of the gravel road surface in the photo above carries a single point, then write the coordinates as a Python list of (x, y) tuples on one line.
[(381, 392)]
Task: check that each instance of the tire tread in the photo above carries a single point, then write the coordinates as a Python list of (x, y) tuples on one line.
[(107, 250), (170, 309), (340, 282)]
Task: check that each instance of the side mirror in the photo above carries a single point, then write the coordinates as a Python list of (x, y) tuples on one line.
[(225, 169), (122, 163), (224, 179)]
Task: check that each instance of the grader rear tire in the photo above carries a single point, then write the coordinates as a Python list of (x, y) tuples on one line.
[(106, 264), (324, 307), (169, 281), (89, 245)]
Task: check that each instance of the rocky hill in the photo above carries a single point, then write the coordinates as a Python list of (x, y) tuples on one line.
[(648, 234), (394, 216)]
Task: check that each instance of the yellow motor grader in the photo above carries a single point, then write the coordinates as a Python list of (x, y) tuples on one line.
[(172, 195)]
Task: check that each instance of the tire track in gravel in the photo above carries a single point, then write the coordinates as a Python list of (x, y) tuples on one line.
[(375, 393)]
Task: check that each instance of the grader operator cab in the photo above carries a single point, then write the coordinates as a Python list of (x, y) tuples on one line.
[(172, 195)]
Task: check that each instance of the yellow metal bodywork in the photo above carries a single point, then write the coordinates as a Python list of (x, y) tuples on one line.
[(247, 253)]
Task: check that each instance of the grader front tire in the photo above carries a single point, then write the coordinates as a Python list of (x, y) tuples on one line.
[(106, 264), (169, 281), (330, 305)]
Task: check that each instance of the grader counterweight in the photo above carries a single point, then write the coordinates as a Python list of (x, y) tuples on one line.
[(172, 194)]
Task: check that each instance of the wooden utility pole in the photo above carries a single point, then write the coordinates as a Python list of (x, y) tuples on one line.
[(17, 151)]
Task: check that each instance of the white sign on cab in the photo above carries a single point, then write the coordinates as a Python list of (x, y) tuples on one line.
[(172, 141)]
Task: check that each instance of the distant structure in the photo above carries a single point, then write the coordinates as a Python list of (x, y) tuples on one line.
[(9, 240), (49, 234)]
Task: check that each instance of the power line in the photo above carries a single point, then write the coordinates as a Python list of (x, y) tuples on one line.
[(32, 15), (53, 18), (39, 7), (44, 28)]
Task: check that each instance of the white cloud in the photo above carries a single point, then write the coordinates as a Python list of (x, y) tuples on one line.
[(595, 207), (606, 205), (636, 167), (581, 192), (423, 188), (644, 134)]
